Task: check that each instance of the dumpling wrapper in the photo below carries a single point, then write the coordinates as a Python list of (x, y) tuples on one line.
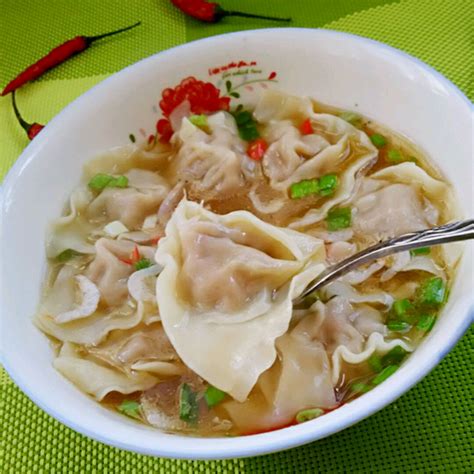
[(98, 380), (230, 347), (283, 163)]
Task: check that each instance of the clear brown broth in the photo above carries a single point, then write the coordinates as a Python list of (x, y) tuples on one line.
[(294, 208)]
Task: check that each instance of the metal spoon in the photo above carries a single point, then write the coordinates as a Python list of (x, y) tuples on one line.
[(455, 231)]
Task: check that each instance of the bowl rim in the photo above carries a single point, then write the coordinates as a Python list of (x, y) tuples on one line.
[(285, 438)]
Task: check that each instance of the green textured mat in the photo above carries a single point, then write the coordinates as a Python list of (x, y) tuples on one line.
[(428, 429)]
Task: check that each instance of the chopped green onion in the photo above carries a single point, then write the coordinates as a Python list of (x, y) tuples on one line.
[(385, 374), (351, 117), (426, 322), (401, 307), (360, 387), (375, 363), (394, 156), (378, 140), (119, 182), (394, 356), (324, 186), (398, 326), (432, 292), (246, 125), (327, 184), (213, 396), (199, 120), (309, 414), (339, 218), (101, 181), (188, 406), (142, 263), (130, 408), (66, 255), (420, 251), (304, 188)]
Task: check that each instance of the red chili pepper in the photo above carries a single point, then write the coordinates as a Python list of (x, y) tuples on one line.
[(257, 149), (213, 12), (135, 255), (31, 129), (57, 56), (306, 128)]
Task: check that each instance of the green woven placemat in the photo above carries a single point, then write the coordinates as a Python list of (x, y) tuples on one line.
[(428, 429)]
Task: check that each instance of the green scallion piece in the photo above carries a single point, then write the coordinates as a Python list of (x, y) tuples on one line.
[(394, 356), (426, 322), (246, 125), (328, 184), (101, 181), (66, 255), (360, 387), (188, 406), (351, 117), (432, 292), (119, 182), (394, 156), (142, 263), (401, 307), (213, 396), (398, 326), (420, 251), (309, 414), (385, 374), (199, 120), (375, 363), (339, 218), (304, 188), (130, 408), (378, 140)]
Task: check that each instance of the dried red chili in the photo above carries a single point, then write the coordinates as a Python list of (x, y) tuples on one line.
[(31, 129), (212, 12), (57, 56)]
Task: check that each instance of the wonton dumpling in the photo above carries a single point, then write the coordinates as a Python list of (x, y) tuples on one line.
[(98, 380), (130, 205), (287, 153), (207, 258), (94, 329), (293, 158), (392, 210), (71, 231), (109, 272), (147, 350), (305, 365), (211, 162)]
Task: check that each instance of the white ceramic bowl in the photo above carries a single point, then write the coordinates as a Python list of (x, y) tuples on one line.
[(336, 68)]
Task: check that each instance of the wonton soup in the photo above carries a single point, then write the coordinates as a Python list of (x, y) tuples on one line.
[(172, 272)]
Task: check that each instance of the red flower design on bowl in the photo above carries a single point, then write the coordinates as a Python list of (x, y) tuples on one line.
[(203, 98)]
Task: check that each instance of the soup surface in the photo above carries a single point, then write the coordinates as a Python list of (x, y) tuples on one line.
[(172, 271)]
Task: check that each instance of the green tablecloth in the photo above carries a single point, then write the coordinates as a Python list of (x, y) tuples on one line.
[(429, 428)]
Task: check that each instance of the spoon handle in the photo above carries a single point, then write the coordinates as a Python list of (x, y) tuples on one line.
[(452, 232)]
